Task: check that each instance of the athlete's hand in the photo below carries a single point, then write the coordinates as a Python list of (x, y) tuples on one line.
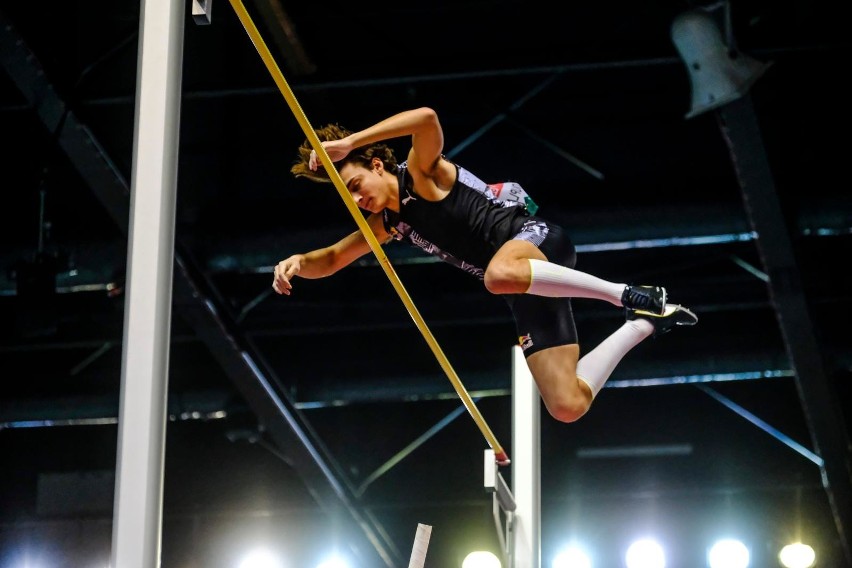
[(336, 150), (284, 271)]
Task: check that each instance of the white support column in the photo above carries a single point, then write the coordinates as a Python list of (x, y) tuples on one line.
[(526, 465), (137, 518)]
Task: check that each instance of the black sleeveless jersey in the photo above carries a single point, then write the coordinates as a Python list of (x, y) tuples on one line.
[(465, 228)]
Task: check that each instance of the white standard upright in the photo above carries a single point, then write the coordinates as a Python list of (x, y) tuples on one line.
[(526, 465), (137, 517)]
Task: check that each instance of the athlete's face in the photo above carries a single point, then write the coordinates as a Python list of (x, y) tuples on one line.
[(368, 186)]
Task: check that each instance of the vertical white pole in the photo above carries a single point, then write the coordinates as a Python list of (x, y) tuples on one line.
[(526, 464), (137, 518), (421, 544)]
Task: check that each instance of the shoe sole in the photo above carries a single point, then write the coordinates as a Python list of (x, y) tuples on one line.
[(692, 321), (677, 308)]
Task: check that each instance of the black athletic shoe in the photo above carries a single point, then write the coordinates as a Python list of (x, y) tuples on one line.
[(674, 315), (646, 298)]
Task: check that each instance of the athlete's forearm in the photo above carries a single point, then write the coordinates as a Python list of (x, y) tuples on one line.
[(406, 123), (317, 263), (328, 260)]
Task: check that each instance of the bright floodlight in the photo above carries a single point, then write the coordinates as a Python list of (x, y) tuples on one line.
[(481, 559), (797, 555), (645, 553), (261, 559), (334, 562), (728, 553), (572, 557), (30, 559)]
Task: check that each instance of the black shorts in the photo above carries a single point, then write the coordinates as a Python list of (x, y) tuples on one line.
[(541, 321)]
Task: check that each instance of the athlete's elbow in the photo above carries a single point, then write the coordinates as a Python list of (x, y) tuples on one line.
[(427, 116)]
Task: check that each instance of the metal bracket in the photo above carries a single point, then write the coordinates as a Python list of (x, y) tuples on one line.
[(201, 11), (502, 506)]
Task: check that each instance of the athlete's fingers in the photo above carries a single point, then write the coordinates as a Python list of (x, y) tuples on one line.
[(282, 287), (279, 282)]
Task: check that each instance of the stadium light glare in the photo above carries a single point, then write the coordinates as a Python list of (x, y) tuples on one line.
[(261, 559), (728, 553), (797, 555), (573, 556), (334, 562), (481, 559), (645, 553)]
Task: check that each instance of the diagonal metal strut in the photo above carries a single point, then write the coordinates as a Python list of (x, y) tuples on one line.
[(741, 131)]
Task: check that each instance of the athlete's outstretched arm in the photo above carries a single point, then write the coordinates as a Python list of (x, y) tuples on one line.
[(326, 261)]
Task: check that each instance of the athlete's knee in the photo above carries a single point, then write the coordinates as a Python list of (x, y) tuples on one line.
[(568, 407), (495, 281), (569, 412), (507, 276)]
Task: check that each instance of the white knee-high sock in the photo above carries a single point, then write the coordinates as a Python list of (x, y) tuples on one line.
[(558, 281), (598, 364)]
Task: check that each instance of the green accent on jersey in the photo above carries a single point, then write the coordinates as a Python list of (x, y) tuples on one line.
[(531, 205)]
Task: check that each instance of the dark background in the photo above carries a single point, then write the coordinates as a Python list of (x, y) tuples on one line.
[(586, 108)]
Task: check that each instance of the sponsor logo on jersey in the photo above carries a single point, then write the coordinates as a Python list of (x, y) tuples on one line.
[(410, 197)]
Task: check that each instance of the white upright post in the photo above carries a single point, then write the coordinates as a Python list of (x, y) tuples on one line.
[(526, 464), (137, 518)]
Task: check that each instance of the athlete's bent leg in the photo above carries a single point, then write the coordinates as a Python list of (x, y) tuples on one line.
[(520, 267), (566, 398), (509, 269)]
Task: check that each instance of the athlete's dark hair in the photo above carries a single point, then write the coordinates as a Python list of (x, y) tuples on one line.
[(362, 156)]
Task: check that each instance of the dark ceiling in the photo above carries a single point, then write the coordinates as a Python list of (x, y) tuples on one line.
[(735, 426)]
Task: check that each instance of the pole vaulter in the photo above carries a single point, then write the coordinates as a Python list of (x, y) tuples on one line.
[(499, 453)]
